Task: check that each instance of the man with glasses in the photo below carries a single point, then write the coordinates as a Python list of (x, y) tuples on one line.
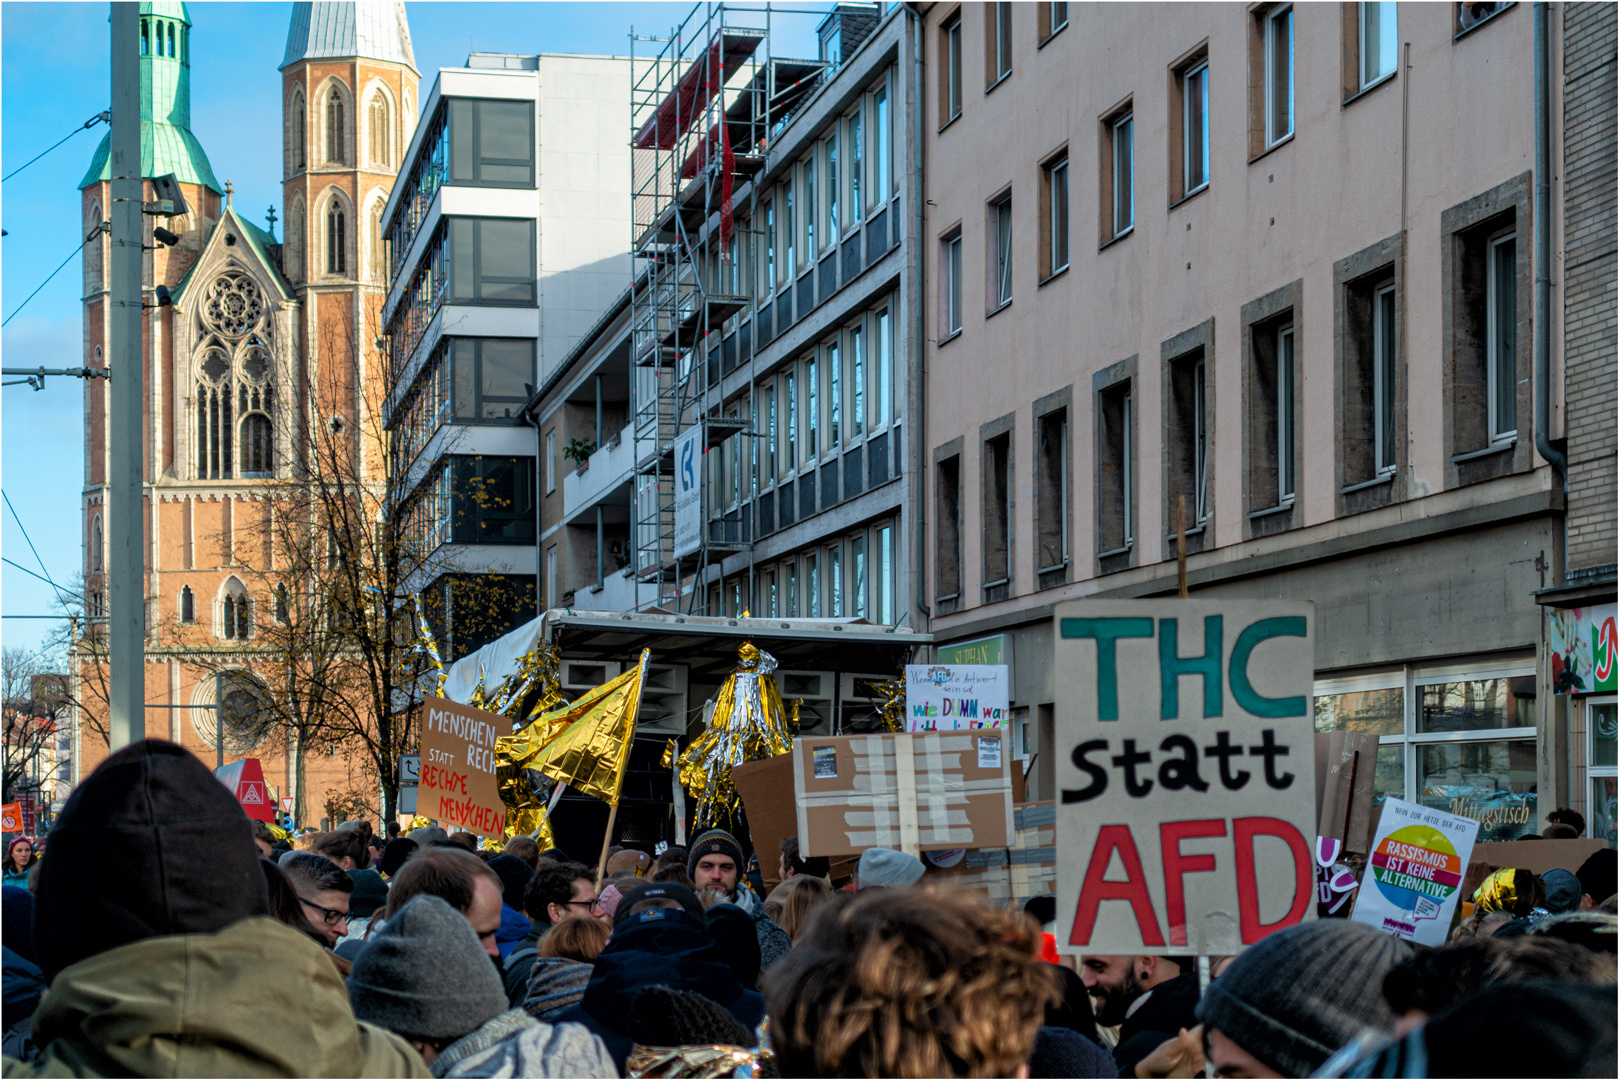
[(555, 892), (323, 893)]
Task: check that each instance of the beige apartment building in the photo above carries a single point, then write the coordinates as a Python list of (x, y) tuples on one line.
[(1279, 262)]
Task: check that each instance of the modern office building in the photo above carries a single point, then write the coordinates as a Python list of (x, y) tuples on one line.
[(1327, 289), (506, 238), (761, 356)]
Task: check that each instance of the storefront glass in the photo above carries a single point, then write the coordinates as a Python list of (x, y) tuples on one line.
[(1493, 782), (1602, 728)]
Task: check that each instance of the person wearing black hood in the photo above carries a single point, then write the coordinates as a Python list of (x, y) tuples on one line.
[(24, 982), (1149, 997), (178, 970), (659, 939)]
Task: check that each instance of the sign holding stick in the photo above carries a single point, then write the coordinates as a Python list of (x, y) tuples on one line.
[(1186, 773), (458, 785)]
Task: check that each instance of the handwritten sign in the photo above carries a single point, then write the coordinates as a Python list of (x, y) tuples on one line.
[(1186, 773), (458, 785), (945, 697), (1413, 879)]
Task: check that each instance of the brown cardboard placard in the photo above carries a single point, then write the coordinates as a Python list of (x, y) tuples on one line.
[(458, 785), (1345, 786), (1009, 875), (927, 791), (1537, 856), (766, 788)]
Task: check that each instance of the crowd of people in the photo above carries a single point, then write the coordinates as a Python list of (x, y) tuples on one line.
[(163, 933)]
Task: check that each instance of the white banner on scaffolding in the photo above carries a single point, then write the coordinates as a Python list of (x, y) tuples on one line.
[(688, 491)]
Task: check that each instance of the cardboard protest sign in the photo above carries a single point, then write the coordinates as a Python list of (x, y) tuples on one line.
[(925, 791), (11, 817), (1413, 879), (1537, 856), (458, 784), (1010, 875), (1186, 780), (1346, 788), (947, 697)]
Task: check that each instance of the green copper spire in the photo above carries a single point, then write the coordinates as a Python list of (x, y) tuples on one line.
[(167, 145)]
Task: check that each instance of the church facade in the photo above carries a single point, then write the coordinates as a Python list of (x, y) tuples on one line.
[(262, 344)]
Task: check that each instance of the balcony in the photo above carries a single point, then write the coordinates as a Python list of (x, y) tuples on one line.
[(607, 470), (618, 592)]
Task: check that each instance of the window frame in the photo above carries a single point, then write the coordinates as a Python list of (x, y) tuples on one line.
[(950, 96), (1494, 362), (1056, 179), (1286, 420), (1205, 159), (998, 279), (997, 44), (478, 280), (1593, 771), (950, 279), (1050, 24), (1362, 7), (475, 151), (1385, 378), (1273, 135)]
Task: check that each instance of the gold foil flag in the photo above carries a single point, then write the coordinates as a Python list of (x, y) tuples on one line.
[(748, 725), (593, 749)]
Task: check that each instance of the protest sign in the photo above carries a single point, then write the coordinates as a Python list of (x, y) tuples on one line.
[(1537, 856), (1345, 787), (1009, 875), (458, 785), (245, 779), (11, 817), (1413, 879), (1186, 780), (925, 791), (947, 697)]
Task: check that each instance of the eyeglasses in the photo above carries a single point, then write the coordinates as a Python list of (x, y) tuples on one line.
[(331, 917), (590, 905)]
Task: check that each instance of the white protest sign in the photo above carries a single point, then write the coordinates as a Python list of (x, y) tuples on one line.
[(1413, 880), (1185, 773), (688, 491), (944, 697)]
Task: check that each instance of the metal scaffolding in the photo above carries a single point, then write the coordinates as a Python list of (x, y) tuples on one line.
[(704, 106)]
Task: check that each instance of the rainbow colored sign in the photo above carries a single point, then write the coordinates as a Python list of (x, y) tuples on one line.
[(1419, 856)]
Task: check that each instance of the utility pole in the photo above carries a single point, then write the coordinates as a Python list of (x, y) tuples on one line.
[(126, 623)]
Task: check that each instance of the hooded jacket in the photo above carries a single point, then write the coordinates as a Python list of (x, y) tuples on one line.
[(24, 986), (516, 1044), (255, 999), (773, 940), (514, 927), (657, 947)]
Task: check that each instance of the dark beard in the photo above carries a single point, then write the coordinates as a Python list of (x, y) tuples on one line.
[(1111, 1005)]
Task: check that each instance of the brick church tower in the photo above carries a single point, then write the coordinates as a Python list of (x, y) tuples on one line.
[(261, 341)]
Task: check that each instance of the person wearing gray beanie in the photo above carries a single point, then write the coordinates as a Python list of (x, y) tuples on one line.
[(882, 867), (1290, 1001), (425, 976)]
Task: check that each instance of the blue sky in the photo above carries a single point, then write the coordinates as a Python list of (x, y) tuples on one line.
[(54, 74)]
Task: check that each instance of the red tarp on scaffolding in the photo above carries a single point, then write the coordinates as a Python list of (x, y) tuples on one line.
[(697, 86)]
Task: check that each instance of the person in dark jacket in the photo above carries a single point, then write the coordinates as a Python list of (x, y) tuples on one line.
[(715, 862), (24, 983), (663, 945), (1149, 998), (553, 893), (515, 926)]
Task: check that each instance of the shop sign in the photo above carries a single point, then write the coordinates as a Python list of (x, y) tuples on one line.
[(1583, 645), (995, 649), (946, 697), (1186, 777), (1414, 875), (688, 491)]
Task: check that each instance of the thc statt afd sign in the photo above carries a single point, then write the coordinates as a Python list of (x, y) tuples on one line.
[(1186, 777)]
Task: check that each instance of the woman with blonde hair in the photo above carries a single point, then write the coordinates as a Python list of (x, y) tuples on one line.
[(799, 896)]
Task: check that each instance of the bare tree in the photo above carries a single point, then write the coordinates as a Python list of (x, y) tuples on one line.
[(34, 698)]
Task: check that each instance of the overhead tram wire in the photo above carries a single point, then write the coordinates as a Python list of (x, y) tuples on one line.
[(97, 231), (18, 519), (98, 118), (46, 580)]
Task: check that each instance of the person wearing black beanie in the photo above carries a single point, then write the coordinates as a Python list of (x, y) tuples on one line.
[(153, 926), (395, 855)]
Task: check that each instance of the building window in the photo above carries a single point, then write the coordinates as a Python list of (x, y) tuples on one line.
[(188, 605), (812, 411), (790, 392), (258, 446), (885, 575), (296, 135), (950, 275), (1379, 41), (552, 598), (1053, 17), (236, 611), (1187, 440), (1285, 374), (834, 581), (1469, 15), (1501, 338), (97, 543), (857, 380), (950, 88), (885, 369), (1118, 174), (768, 286), (1051, 498), (830, 154), (947, 526), (997, 517), (491, 143), (336, 240), (857, 166), (334, 127), (1459, 742), (998, 43), (1272, 415), (491, 260), (1054, 209), (789, 231), (834, 393), (283, 607), (1000, 268), (1116, 473), (551, 461), (1278, 74), (883, 157), (379, 254), (378, 122), (1602, 756), (1194, 87), (857, 577), (493, 377), (1385, 352), (492, 500), (811, 210)]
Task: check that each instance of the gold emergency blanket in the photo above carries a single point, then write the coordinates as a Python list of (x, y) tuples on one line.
[(748, 725), (1509, 889), (671, 1062), (586, 745)]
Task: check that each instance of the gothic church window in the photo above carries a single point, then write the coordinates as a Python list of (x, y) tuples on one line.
[(295, 135), (379, 261), (336, 239), (334, 127), (294, 250), (95, 544), (377, 122), (236, 610), (188, 605), (235, 382)]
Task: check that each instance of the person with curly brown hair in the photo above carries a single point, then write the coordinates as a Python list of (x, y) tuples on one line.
[(909, 982)]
